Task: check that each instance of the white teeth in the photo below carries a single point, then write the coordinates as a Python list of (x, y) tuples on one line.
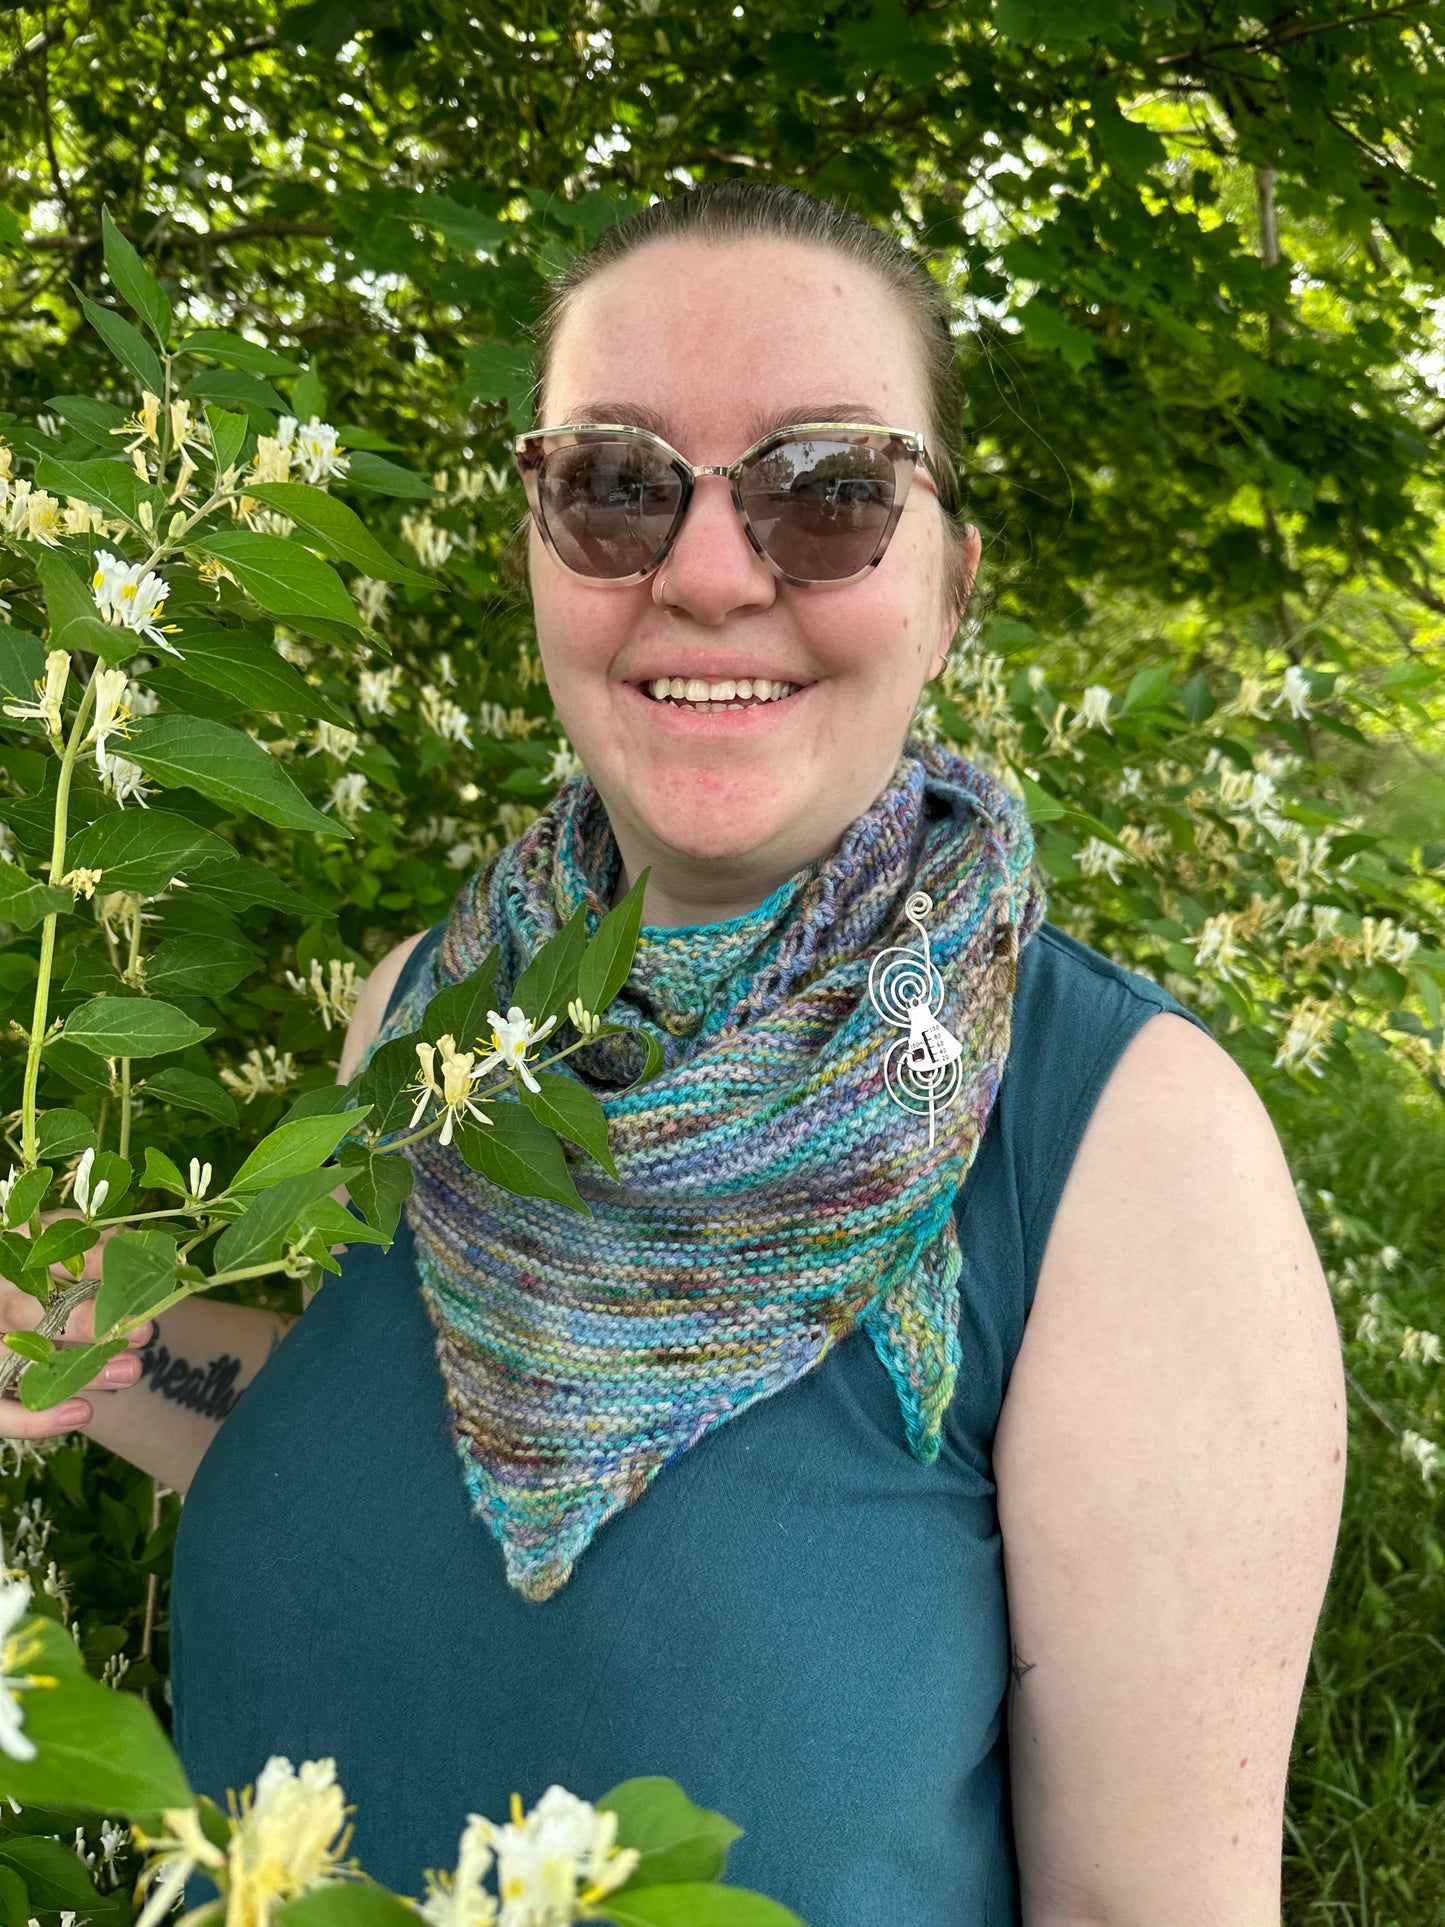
[(694, 690)]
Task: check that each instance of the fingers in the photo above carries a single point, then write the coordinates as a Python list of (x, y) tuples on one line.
[(16, 1422)]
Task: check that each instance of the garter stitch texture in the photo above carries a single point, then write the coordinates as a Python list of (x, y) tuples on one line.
[(773, 1194)]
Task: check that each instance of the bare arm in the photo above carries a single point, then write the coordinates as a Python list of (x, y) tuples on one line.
[(1170, 1471)]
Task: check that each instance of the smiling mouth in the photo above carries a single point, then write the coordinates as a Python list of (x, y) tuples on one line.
[(706, 698)]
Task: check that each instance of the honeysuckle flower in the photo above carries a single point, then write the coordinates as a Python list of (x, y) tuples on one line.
[(144, 426), (564, 764), (1296, 692), (48, 707), (199, 1179), (447, 718), (459, 1899), (445, 672), (112, 711), (1093, 711), (432, 545), (559, 1858), (125, 781), (335, 741), (588, 1022), (453, 1089), (1217, 947), (334, 990), (376, 690), (512, 1037), (31, 513), (83, 882), (82, 518), (272, 460), (16, 1654), (348, 796), (1423, 1346), (1307, 1036), (371, 597), (130, 596), (1098, 858), (89, 1200), (461, 854), (260, 1073), (7, 1185), (1426, 1455)]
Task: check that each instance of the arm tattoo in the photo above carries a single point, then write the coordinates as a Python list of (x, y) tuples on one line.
[(1018, 1666), (207, 1389)]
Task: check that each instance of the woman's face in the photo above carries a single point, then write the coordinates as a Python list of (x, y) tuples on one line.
[(715, 340)]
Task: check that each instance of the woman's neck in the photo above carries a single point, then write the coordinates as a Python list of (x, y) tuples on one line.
[(673, 903)]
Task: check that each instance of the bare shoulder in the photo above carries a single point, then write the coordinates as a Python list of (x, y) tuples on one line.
[(371, 1007), (1170, 1469)]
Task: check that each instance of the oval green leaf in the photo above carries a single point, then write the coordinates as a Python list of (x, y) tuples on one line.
[(132, 1027)]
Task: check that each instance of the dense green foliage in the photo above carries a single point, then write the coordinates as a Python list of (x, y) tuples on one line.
[(1199, 258)]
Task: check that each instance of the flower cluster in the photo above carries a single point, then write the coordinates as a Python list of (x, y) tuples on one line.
[(130, 596), (260, 1073), (334, 990), (551, 1863)]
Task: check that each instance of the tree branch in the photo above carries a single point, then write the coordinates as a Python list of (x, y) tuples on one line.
[(188, 237), (1266, 43)]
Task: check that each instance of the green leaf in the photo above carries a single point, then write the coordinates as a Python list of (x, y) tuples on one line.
[(383, 1084), (338, 1226), (90, 418), (142, 850), (34, 1346), (236, 352), (460, 1010), (652, 1061), (27, 1193), (228, 436), (127, 344), (22, 663), (251, 393), (284, 578), (294, 1148), (519, 1154), (375, 475), (380, 1187), (549, 982), (226, 765), (53, 1876), (132, 1027), (1147, 689), (244, 881), (608, 957), (569, 1108), (339, 529), (60, 1242), (138, 1271), (260, 1235), (25, 903), (74, 620), (62, 1133), (189, 1091), (199, 966), (250, 671), (346, 1903), (98, 1748), (116, 1172), (162, 1173), (308, 397), (45, 1386), (693, 1904), (677, 1840), (133, 282), (109, 485)]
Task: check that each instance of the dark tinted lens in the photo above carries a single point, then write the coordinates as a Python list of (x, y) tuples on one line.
[(608, 505), (820, 507)]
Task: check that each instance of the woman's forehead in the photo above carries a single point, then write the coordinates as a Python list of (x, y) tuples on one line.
[(762, 325)]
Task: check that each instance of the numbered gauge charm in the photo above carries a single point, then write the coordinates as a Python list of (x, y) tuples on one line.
[(922, 1072)]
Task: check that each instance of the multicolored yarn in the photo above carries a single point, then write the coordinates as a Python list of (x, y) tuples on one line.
[(772, 1195)]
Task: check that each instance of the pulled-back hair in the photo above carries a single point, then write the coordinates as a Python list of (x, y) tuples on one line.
[(731, 211)]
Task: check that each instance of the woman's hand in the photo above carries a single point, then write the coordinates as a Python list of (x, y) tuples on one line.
[(20, 1312)]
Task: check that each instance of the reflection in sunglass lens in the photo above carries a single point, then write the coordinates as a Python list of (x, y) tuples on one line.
[(608, 505), (819, 507)]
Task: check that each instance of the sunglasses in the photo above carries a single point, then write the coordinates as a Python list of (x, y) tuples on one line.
[(818, 501)]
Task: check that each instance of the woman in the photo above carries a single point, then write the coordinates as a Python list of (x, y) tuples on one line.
[(981, 1585)]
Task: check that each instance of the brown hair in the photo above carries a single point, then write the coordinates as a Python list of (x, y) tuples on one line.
[(726, 211)]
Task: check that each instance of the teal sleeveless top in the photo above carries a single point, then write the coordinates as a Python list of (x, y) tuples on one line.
[(797, 1621)]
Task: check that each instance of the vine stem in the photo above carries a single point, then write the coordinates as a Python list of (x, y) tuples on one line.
[(53, 1320), (41, 1014), (130, 977)]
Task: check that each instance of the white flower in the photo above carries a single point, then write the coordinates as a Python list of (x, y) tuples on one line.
[(564, 764), (376, 690), (334, 991), (82, 881), (125, 781), (1098, 858), (48, 707), (459, 1073), (112, 1839), (459, 1899), (1093, 711), (15, 1656), (512, 1036), (1426, 1455), (1307, 1036), (30, 513), (130, 596), (588, 1022), (145, 426), (335, 741), (88, 1200), (1389, 1256), (260, 1073), (317, 451), (1217, 948), (447, 718), (1295, 691), (82, 518), (543, 1858), (291, 650), (112, 711), (7, 1185), (1421, 1345), (445, 670), (432, 545), (371, 597), (348, 796), (199, 1179), (272, 460)]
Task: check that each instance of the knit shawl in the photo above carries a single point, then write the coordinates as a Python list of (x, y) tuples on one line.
[(773, 1194)]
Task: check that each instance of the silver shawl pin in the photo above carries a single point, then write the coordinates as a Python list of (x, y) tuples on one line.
[(922, 1072)]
